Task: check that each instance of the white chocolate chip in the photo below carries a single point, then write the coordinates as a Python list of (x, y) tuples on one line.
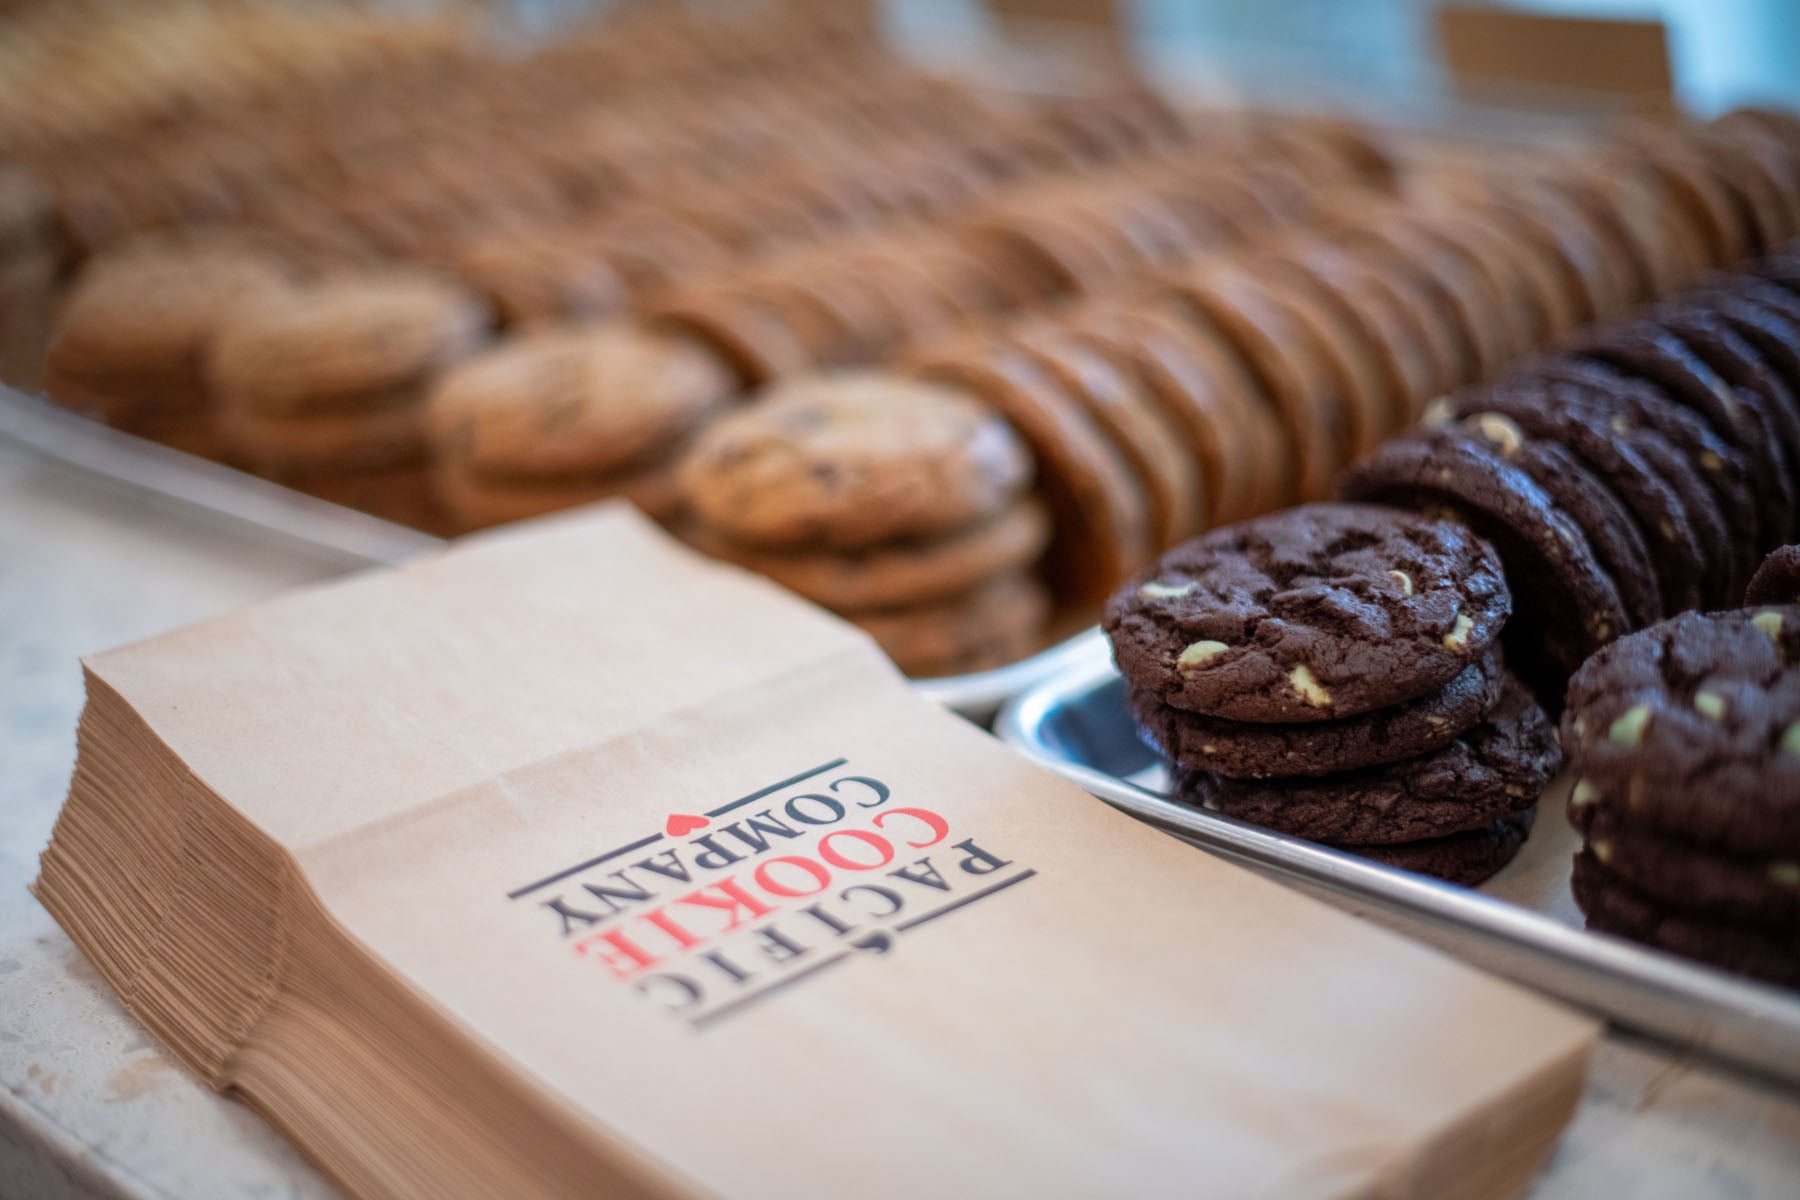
[(1710, 704), (1628, 728), (1769, 621), (1515, 789), (1790, 740), (1435, 722), (1404, 580), (1603, 851), (1711, 460), (1583, 794), (1308, 686), (1620, 425), (1437, 412), (1458, 637), (1503, 431), (1787, 874), (1207, 748), (1580, 727), (1165, 591), (1199, 654)]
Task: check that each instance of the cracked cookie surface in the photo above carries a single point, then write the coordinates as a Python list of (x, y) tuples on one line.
[(1311, 614)]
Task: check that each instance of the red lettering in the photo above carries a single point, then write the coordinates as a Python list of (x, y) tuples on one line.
[(731, 899), (940, 828), (766, 881), (882, 847), (660, 918), (621, 955)]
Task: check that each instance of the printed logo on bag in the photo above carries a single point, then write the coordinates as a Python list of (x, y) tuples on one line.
[(722, 909)]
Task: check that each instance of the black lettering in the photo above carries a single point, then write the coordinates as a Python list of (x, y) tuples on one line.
[(732, 971), (923, 873), (688, 993), (824, 918), (714, 856), (573, 919), (894, 902), (672, 867), (979, 862), (777, 946), (831, 806), (874, 785), (628, 891), (752, 832)]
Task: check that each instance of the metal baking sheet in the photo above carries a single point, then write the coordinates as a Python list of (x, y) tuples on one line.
[(1522, 924), (216, 492)]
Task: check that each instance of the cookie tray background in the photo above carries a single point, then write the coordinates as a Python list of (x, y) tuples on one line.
[(213, 492), (1522, 924)]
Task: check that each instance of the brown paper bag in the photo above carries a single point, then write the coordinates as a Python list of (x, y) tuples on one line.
[(568, 862)]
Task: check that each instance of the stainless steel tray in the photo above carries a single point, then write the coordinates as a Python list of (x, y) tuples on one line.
[(215, 492), (1522, 924)]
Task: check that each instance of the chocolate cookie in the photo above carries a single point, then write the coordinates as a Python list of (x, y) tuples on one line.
[(1570, 417), (1617, 544), (1692, 728), (1777, 581), (1467, 858), (1651, 353), (1713, 477), (849, 460), (1566, 605), (1614, 906), (1312, 614), (1731, 887), (1242, 750), (1499, 766)]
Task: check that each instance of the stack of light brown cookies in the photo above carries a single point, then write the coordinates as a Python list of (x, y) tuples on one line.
[(901, 505), (564, 417), (1332, 672)]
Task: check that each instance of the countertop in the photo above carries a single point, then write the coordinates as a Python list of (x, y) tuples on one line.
[(91, 1106)]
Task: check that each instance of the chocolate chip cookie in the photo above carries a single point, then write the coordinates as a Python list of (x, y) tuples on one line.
[(1316, 613), (1496, 768), (1691, 728), (1242, 750)]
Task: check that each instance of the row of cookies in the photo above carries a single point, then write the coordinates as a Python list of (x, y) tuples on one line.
[(1639, 471), (842, 303), (1685, 742), (1332, 672), (151, 303)]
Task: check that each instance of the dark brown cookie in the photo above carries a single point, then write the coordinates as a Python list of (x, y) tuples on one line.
[(1713, 477), (1692, 728), (1565, 604), (1468, 858), (1311, 614), (1777, 581), (1569, 416), (1498, 767), (1242, 750), (1758, 395), (1732, 887), (1617, 544), (1648, 352), (1614, 906)]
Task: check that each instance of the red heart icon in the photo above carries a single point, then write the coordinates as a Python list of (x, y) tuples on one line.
[(682, 824)]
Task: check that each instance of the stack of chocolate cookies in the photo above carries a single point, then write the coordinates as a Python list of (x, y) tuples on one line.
[(1640, 471), (1685, 743), (901, 505), (1332, 672)]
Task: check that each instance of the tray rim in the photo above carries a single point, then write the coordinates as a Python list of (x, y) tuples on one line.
[(1753, 1026), (225, 494)]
